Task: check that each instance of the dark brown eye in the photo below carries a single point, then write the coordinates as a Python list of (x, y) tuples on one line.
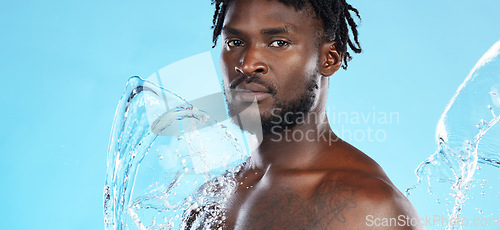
[(234, 43), (279, 44)]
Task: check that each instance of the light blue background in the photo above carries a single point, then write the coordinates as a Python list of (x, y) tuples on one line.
[(64, 65)]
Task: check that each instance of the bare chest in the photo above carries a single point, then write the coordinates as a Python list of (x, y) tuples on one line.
[(287, 206), (270, 210)]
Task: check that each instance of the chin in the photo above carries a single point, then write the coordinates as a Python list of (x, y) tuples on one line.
[(247, 117)]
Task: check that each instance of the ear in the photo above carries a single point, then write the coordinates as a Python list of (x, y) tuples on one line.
[(331, 59)]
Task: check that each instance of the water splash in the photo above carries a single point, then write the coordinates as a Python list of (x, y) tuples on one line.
[(465, 164), (162, 160)]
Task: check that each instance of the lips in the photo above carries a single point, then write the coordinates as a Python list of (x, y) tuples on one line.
[(251, 92), (256, 88)]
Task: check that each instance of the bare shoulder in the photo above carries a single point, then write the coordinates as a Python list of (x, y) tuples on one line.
[(363, 200)]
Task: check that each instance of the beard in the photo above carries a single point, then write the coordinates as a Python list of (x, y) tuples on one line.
[(286, 114)]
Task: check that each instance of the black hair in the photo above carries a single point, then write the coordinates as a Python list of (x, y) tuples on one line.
[(335, 15)]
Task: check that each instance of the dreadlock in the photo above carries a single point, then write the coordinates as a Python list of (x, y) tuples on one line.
[(335, 15)]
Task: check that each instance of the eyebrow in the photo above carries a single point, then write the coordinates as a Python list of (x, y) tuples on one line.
[(230, 30), (268, 31), (277, 30)]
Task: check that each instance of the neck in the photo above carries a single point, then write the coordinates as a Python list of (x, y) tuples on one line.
[(302, 147), (298, 148)]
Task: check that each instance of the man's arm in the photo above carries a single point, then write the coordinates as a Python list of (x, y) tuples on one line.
[(365, 202)]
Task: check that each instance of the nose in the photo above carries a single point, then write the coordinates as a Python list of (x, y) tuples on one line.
[(252, 62)]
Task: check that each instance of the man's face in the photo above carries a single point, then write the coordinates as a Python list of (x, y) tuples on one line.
[(271, 55)]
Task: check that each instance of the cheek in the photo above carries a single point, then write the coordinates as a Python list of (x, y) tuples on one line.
[(225, 66), (227, 69), (303, 60), (296, 73)]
